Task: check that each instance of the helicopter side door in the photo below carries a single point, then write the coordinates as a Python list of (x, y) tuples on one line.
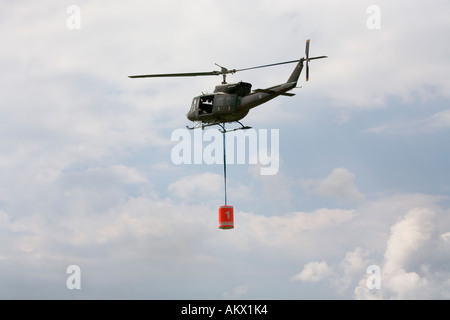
[(225, 103), (206, 104)]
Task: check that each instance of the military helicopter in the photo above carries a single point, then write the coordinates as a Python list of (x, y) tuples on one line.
[(231, 102)]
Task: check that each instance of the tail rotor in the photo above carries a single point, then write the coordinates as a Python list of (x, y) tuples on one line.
[(307, 59)]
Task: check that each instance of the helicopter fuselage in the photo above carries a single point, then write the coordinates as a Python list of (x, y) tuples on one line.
[(232, 102)]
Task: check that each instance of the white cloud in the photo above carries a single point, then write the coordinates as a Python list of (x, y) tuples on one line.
[(340, 276), (409, 244), (413, 246), (355, 262), (292, 235), (314, 271), (80, 143), (408, 236), (439, 120), (200, 187), (412, 256), (236, 293), (372, 65), (431, 125), (339, 184), (128, 175), (275, 187), (445, 236), (165, 234)]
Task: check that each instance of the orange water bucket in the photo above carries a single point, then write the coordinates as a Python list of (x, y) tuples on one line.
[(226, 217)]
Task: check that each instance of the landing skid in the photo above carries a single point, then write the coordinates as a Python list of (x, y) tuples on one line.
[(241, 128), (199, 125)]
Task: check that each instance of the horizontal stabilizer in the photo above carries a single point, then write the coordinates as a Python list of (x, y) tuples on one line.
[(274, 92)]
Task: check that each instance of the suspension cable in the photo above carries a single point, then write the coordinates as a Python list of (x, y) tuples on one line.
[(224, 163)]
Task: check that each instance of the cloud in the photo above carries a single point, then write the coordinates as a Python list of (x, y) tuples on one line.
[(200, 187), (408, 251), (414, 245), (340, 276), (80, 143), (287, 234), (313, 272), (366, 56), (408, 236), (438, 120), (354, 263), (170, 238), (164, 236), (433, 124), (128, 175), (339, 184), (236, 293), (412, 256)]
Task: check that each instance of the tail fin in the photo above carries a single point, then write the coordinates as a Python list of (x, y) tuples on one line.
[(298, 69), (296, 73)]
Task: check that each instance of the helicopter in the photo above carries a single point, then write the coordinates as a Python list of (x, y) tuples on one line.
[(231, 102)]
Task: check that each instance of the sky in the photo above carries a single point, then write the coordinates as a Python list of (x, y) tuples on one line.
[(358, 207)]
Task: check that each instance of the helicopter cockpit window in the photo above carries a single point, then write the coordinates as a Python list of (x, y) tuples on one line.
[(194, 104)]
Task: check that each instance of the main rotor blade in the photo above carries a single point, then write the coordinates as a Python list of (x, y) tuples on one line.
[(216, 73), (189, 74), (314, 58), (267, 65)]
